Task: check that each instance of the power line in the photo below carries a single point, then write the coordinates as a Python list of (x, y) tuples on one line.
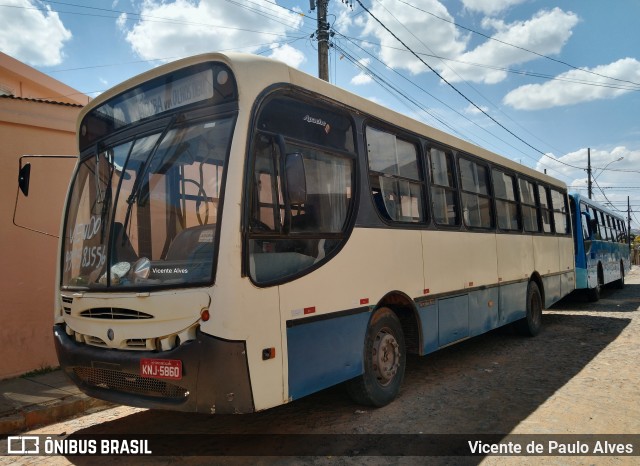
[(518, 47), (451, 128), (460, 92)]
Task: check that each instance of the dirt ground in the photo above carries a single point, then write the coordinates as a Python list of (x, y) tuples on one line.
[(581, 375)]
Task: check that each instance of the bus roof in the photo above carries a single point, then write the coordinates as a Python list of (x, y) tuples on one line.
[(580, 198), (256, 73)]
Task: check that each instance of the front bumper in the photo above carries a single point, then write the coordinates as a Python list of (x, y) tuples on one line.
[(215, 375)]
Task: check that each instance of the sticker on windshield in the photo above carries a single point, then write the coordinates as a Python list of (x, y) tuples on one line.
[(206, 236)]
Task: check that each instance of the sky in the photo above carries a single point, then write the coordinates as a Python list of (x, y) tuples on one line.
[(539, 82)]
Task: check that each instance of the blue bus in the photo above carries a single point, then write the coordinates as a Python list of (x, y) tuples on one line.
[(601, 246)]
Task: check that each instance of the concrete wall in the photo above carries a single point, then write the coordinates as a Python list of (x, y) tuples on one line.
[(27, 258)]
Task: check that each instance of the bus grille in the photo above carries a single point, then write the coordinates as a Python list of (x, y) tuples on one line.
[(114, 313), (130, 383)]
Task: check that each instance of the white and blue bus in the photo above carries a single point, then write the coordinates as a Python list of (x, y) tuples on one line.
[(601, 243), (239, 234)]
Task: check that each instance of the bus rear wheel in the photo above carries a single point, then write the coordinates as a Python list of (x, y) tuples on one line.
[(619, 284), (593, 294), (384, 361), (532, 322)]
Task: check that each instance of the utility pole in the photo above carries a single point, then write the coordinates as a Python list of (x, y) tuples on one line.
[(589, 187), (629, 221), (323, 38)]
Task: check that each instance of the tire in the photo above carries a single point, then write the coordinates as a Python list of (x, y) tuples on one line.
[(532, 323), (384, 361), (619, 284), (593, 294)]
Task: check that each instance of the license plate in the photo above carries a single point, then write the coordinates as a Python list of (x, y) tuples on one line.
[(161, 368)]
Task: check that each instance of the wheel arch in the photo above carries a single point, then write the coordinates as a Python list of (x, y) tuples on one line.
[(407, 313)]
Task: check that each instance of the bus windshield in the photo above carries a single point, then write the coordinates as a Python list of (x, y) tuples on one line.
[(143, 213)]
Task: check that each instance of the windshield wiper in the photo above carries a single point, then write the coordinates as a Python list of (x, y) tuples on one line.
[(140, 174)]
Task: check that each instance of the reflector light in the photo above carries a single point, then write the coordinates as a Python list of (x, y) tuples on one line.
[(268, 353), (309, 310), (364, 301), (204, 315)]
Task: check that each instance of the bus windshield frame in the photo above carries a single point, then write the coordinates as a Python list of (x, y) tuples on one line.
[(145, 201)]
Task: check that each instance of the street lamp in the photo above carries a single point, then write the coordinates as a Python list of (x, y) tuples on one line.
[(589, 177)]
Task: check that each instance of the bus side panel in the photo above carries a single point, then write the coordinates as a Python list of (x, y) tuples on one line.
[(325, 352), (567, 258), (456, 260), (551, 289), (428, 313), (513, 298), (483, 310), (515, 258), (453, 317)]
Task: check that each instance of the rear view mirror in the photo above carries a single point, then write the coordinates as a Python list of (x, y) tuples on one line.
[(296, 180), (24, 175)]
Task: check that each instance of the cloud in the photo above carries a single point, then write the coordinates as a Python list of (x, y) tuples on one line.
[(443, 38), (471, 110), (609, 172), (186, 27), (490, 7), (287, 54), (362, 78), (546, 33), (564, 90), (32, 35)]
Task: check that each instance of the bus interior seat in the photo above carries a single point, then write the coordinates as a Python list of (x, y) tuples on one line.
[(194, 243)]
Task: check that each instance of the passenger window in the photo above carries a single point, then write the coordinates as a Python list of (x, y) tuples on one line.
[(395, 179), (289, 236), (476, 200), (560, 217), (529, 206), (545, 209), (444, 196), (504, 188)]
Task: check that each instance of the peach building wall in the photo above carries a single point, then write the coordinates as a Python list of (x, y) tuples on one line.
[(27, 258)]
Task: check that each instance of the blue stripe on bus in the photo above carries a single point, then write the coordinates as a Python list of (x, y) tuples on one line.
[(323, 353)]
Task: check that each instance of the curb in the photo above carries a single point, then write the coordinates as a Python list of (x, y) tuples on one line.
[(50, 412)]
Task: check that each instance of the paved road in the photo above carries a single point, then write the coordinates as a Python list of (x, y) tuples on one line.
[(581, 375)]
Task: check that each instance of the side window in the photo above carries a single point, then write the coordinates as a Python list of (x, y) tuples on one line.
[(444, 196), (504, 188), (529, 206), (585, 225), (476, 199), (560, 216), (604, 230), (394, 173), (545, 208), (300, 189), (595, 217)]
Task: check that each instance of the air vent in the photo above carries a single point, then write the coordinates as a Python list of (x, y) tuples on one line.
[(67, 310), (67, 299), (114, 313), (94, 341), (124, 382)]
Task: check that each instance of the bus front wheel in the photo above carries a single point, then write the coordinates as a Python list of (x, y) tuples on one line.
[(384, 361), (532, 322)]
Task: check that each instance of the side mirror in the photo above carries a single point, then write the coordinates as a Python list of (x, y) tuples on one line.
[(24, 175), (296, 181)]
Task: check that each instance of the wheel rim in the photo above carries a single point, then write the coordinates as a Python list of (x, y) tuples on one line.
[(386, 357)]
